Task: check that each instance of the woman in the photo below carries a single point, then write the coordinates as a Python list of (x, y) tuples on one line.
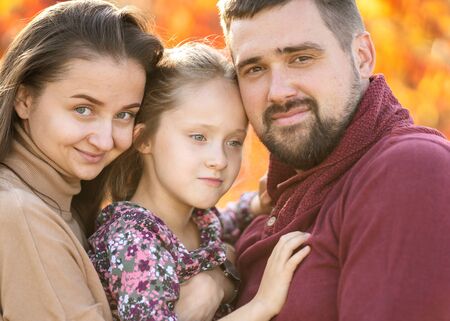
[(71, 83)]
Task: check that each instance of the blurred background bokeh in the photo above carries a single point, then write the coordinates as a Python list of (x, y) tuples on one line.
[(412, 39)]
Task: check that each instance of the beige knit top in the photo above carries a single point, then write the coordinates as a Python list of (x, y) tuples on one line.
[(45, 273)]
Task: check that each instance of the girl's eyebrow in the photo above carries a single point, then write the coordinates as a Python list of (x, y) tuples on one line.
[(212, 127), (243, 131), (100, 103)]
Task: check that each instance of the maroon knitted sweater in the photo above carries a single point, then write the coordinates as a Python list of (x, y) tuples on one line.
[(378, 209)]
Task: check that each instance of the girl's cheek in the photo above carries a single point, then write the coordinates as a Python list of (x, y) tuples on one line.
[(235, 158)]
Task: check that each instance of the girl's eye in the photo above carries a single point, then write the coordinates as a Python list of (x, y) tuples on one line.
[(235, 143), (83, 111), (126, 115), (198, 137)]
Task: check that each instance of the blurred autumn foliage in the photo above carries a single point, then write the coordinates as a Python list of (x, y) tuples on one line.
[(412, 39)]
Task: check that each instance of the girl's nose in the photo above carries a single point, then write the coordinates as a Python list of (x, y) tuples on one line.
[(217, 160)]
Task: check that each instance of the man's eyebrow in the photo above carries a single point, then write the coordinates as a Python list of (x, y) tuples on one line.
[(286, 50), (248, 61), (302, 47)]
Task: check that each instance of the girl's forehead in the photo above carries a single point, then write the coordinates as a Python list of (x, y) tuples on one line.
[(198, 90), (215, 103)]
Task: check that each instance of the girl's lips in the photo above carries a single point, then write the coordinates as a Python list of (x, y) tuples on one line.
[(214, 182), (292, 117)]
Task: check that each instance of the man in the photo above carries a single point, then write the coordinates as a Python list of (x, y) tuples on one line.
[(347, 165)]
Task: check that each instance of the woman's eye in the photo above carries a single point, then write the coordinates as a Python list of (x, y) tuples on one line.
[(198, 137), (83, 111), (126, 115)]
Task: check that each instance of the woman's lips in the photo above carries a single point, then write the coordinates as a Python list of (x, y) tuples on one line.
[(91, 157)]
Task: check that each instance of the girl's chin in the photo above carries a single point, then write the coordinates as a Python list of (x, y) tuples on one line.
[(205, 205)]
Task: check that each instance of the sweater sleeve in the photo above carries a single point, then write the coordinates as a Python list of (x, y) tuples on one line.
[(395, 237), (44, 271), (143, 276), (235, 217)]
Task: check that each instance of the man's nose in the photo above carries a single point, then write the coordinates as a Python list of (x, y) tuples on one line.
[(281, 87)]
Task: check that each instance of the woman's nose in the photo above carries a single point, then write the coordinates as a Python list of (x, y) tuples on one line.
[(102, 136)]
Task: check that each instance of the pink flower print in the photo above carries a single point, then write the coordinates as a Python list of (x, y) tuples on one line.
[(142, 286), (147, 236), (131, 251), (144, 265)]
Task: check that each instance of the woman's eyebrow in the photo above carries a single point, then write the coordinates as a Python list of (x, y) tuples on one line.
[(100, 103), (89, 98)]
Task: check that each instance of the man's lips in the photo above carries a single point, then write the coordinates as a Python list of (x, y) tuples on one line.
[(211, 181), (291, 117)]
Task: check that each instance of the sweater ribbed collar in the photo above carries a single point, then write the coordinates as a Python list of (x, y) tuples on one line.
[(49, 181)]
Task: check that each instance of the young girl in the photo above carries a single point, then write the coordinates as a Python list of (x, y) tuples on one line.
[(188, 147)]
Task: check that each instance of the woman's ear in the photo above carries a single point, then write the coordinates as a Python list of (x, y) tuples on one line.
[(364, 52), (23, 102), (142, 145)]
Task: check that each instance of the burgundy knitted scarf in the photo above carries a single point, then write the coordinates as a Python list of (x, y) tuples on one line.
[(300, 196)]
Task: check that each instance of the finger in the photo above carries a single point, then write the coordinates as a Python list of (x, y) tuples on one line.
[(262, 186), (298, 257), (292, 237), (265, 199), (263, 183), (287, 244)]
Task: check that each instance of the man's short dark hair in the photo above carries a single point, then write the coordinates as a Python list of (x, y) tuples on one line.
[(342, 17)]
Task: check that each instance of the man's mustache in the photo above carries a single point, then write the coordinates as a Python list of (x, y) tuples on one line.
[(287, 106)]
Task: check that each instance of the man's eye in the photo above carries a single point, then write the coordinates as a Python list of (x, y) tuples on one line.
[(83, 110), (302, 59), (198, 137), (253, 70)]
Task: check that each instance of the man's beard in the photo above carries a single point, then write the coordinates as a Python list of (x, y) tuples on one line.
[(305, 150)]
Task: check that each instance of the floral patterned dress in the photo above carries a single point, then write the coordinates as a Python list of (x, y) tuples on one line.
[(141, 263)]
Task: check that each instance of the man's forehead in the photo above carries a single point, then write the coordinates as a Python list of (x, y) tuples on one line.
[(273, 30), (244, 46)]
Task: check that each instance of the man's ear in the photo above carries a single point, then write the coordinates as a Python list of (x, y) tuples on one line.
[(364, 53), (140, 143), (23, 102)]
